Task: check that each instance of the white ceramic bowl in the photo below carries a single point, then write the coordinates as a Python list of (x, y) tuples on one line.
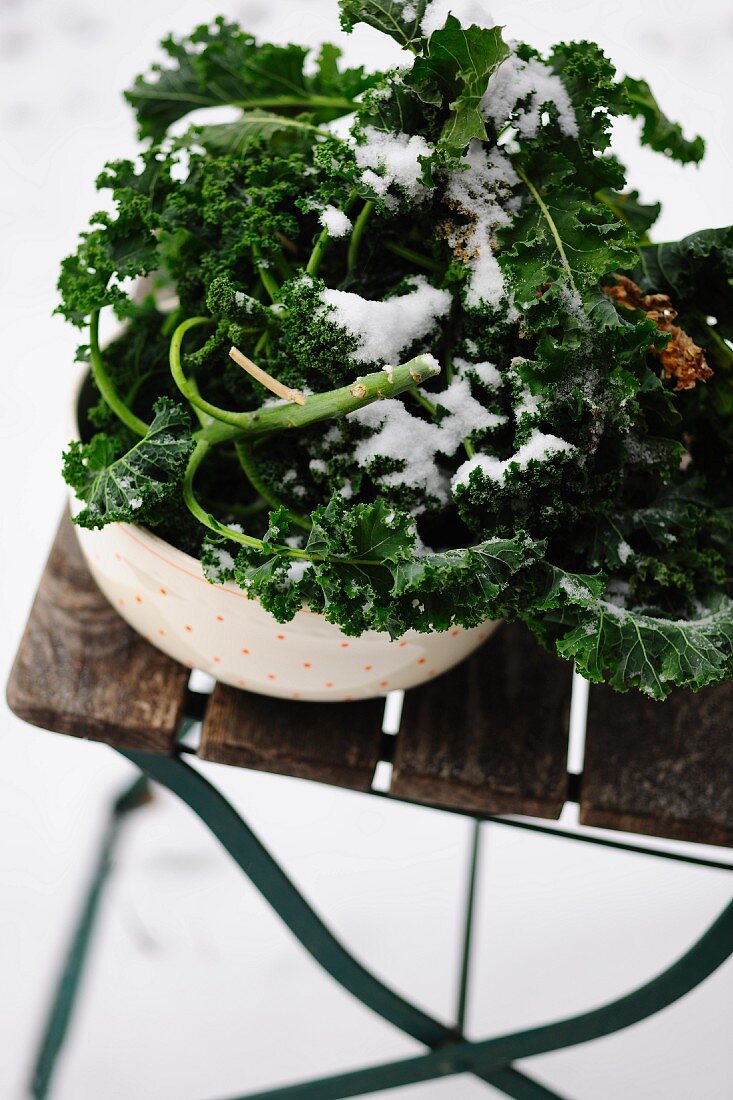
[(163, 594)]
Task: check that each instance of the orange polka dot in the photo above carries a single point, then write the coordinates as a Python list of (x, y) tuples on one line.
[(217, 660), (348, 698), (432, 672), (402, 645), (271, 676), (121, 602), (220, 618), (241, 683), (163, 592), (307, 664), (384, 683), (295, 695), (162, 633), (188, 628), (329, 684), (422, 660), (367, 668), (344, 645), (138, 599), (246, 652), (281, 637), (454, 633)]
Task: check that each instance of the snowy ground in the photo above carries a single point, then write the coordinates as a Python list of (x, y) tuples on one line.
[(194, 990)]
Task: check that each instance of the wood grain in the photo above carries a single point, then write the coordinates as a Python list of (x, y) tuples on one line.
[(336, 743), (665, 769), (82, 670), (491, 735)]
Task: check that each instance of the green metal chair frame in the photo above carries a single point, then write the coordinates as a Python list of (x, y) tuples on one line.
[(448, 1051)]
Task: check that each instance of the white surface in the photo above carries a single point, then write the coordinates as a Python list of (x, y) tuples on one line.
[(193, 990)]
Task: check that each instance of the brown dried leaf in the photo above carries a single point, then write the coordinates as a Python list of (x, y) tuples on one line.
[(681, 359)]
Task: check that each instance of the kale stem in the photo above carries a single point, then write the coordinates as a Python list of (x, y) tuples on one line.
[(252, 473), (288, 415), (270, 284), (358, 232), (316, 256), (421, 399), (414, 257), (200, 451), (105, 385)]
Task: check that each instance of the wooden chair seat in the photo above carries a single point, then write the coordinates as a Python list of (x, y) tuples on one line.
[(489, 737)]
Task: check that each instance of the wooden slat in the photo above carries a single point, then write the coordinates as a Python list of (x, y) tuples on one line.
[(82, 670), (335, 743), (490, 736), (665, 769)]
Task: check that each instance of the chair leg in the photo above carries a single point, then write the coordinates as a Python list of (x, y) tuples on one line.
[(67, 985)]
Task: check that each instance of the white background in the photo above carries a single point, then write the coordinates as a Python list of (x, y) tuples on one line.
[(194, 991)]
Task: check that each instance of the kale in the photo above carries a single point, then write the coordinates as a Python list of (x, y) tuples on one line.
[(468, 385)]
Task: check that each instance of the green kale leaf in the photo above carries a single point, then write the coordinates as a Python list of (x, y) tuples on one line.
[(135, 487), (657, 131)]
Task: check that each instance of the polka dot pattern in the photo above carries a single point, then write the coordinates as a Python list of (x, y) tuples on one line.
[(163, 594)]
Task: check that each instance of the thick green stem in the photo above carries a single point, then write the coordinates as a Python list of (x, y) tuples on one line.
[(319, 249), (317, 407), (201, 450), (416, 258), (252, 473), (272, 103), (269, 282), (104, 383), (358, 232)]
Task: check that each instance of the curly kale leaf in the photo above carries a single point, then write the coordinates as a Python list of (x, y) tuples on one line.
[(221, 64), (399, 19), (364, 572), (657, 131), (118, 247), (637, 215), (455, 69), (630, 649), (696, 273), (136, 487), (561, 238)]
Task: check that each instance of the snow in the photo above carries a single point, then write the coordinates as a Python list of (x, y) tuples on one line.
[(532, 84), (466, 415), (296, 571), (406, 439), (469, 13), (538, 448), (392, 158), (223, 563), (481, 190), (487, 373), (415, 442), (528, 405), (624, 552), (384, 329), (335, 221)]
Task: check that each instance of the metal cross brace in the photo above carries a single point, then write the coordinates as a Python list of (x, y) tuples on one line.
[(448, 1050)]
